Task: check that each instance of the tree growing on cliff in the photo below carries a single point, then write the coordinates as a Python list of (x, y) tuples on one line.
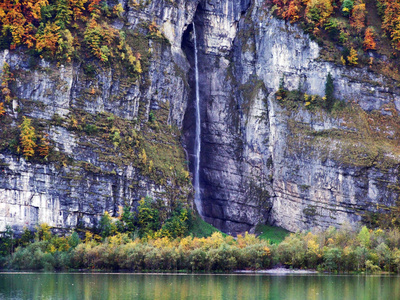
[(369, 43), (352, 59), (358, 15), (27, 138), (6, 78), (43, 147), (329, 88), (2, 110)]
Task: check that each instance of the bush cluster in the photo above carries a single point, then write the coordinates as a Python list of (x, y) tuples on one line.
[(331, 250)]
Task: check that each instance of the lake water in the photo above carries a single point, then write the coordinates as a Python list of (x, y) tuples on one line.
[(175, 286)]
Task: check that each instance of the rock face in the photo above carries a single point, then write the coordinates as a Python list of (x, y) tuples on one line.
[(261, 161), (90, 177), (257, 165)]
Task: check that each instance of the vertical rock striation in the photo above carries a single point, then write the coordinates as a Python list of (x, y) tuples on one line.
[(261, 161)]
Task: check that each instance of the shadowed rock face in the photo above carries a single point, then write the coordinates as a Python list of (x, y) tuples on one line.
[(255, 166), (260, 162)]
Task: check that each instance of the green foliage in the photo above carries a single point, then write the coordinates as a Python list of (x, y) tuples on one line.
[(274, 235), (26, 238), (331, 250), (74, 240), (127, 221), (347, 7), (177, 224), (332, 27), (7, 242), (107, 225), (148, 216), (199, 228), (364, 237), (91, 129), (329, 89)]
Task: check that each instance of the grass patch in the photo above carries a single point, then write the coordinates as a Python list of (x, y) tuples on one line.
[(275, 235), (200, 228)]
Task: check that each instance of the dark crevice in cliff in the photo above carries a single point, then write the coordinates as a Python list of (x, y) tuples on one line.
[(189, 121)]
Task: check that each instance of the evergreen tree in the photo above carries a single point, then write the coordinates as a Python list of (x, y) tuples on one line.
[(330, 100)]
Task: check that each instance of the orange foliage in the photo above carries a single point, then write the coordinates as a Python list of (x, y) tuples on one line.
[(358, 14), (391, 21), (16, 17), (94, 7), (43, 147), (288, 9), (369, 43), (293, 11), (78, 7), (2, 110), (49, 39)]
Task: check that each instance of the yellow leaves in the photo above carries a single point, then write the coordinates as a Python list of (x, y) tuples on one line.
[(6, 78), (27, 138), (49, 39), (77, 7), (318, 11), (143, 157), (36, 6), (353, 57), (154, 31), (246, 240), (2, 110), (99, 38), (118, 10)]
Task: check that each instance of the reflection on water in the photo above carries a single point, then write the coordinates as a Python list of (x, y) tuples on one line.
[(147, 286)]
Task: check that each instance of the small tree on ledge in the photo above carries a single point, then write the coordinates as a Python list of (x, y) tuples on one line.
[(27, 138)]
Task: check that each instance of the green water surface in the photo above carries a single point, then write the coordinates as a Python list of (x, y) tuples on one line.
[(177, 286)]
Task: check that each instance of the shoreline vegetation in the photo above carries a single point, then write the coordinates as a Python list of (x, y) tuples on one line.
[(333, 250)]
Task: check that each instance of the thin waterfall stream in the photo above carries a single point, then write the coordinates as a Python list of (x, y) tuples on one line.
[(197, 142)]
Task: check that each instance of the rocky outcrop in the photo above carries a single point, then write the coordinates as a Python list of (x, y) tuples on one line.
[(261, 160), (257, 166), (89, 176)]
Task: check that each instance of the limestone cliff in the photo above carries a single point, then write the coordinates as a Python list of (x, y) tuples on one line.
[(262, 160)]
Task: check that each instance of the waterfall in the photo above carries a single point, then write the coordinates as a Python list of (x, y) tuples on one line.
[(197, 144)]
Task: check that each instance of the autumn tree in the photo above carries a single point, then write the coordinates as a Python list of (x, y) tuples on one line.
[(6, 78), (78, 7), (358, 14), (347, 7), (43, 147), (48, 38), (318, 11), (293, 11), (27, 138), (369, 43), (352, 59), (391, 21), (2, 110)]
